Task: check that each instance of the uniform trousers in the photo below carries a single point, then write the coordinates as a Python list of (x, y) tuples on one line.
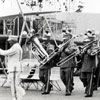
[(96, 78), (44, 75), (66, 75), (87, 80), (16, 90)]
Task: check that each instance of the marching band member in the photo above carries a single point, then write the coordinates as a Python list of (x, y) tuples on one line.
[(66, 34), (45, 71), (66, 70), (14, 67), (47, 34), (87, 70), (96, 77)]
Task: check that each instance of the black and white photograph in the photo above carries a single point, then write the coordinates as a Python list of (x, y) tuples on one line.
[(49, 49)]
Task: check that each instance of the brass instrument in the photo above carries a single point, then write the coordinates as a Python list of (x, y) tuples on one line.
[(95, 51), (55, 52), (96, 48), (66, 59), (75, 53), (86, 46), (38, 51), (40, 47)]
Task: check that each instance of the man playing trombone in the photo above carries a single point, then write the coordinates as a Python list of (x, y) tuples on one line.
[(88, 67), (96, 52), (67, 68)]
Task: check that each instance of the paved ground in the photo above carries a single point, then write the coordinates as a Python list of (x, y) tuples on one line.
[(33, 94)]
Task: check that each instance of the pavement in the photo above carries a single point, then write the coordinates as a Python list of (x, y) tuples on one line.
[(35, 94)]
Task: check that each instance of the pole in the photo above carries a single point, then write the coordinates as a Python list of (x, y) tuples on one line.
[(51, 33), (23, 18)]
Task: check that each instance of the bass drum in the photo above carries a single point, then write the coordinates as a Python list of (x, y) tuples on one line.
[(28, 67)]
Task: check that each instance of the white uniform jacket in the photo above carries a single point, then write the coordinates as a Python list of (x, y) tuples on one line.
[(14, 57)]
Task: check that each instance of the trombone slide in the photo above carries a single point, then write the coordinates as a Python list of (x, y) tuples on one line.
[(95, 51), (66, 59)]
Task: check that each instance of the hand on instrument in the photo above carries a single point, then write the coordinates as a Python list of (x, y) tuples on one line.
[(60, 48)]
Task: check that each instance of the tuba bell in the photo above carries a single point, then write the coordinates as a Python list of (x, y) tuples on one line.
[(37, 48)]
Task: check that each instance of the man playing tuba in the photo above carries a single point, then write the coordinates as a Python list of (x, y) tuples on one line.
[(45, 70)]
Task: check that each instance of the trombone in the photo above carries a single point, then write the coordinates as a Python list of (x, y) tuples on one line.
[(95, 51), (66, 59), (75, 53), (55, 52), (83, 48)]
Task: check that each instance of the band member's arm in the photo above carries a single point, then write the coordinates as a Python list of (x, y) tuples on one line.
[(69, 50), (89, 52), (10, 51)]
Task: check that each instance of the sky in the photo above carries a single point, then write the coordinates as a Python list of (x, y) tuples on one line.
[(90, 6)]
